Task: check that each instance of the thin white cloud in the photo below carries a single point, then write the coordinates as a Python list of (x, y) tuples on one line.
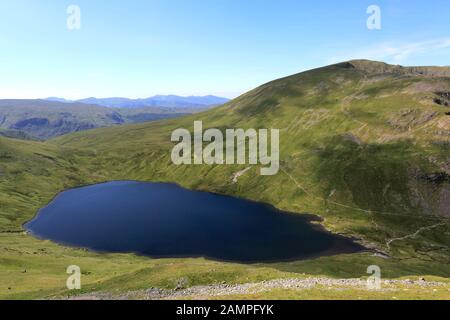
[(396, 52)]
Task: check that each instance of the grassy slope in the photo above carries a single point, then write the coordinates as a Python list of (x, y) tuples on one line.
[(354, 146)]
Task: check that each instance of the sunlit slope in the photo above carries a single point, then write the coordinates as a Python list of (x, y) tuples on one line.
[(363, 144), (30, 174)]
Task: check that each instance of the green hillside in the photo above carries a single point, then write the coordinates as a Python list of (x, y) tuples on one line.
[(364, 145)]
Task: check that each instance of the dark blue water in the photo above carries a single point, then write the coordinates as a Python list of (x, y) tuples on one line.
[(165, 220)]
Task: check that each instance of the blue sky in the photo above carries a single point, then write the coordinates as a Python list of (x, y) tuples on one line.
[(139, 48)]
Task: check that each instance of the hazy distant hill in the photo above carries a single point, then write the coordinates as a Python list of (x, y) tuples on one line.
[(15, 134), (169, 101), (44, 119)]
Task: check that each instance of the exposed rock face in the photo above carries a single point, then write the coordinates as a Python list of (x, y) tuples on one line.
[(438, 185), (410, 118), (443, 99), (374, 67), (444, 203), (116, 117), (437, 178), (441, 102), (32, 122), (445, 95), (44, 128)]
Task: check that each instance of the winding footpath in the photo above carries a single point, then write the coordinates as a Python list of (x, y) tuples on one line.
[(415, 234)]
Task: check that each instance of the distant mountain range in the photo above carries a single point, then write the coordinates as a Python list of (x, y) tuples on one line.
[(169, 101), (43, 119), (47, 118)]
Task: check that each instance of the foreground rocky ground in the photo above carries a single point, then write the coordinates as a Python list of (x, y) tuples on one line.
[(251, 290)]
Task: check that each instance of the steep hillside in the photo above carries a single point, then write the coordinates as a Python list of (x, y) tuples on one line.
[(363, 144)]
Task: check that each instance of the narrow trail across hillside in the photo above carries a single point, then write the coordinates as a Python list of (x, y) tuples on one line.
[(415, 234), (426, 217)]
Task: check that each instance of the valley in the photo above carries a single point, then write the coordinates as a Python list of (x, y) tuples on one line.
[(44, 119)]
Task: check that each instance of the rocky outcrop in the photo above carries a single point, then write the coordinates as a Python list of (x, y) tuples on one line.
[(410, 118), (202, 292), (436, 178), (32, 122), (443, 99), (375, 67)]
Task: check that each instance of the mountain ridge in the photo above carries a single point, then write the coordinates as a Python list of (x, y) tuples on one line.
[(154, 101), (376, 67)]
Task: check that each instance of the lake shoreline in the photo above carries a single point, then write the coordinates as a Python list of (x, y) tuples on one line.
[(313, 221)]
